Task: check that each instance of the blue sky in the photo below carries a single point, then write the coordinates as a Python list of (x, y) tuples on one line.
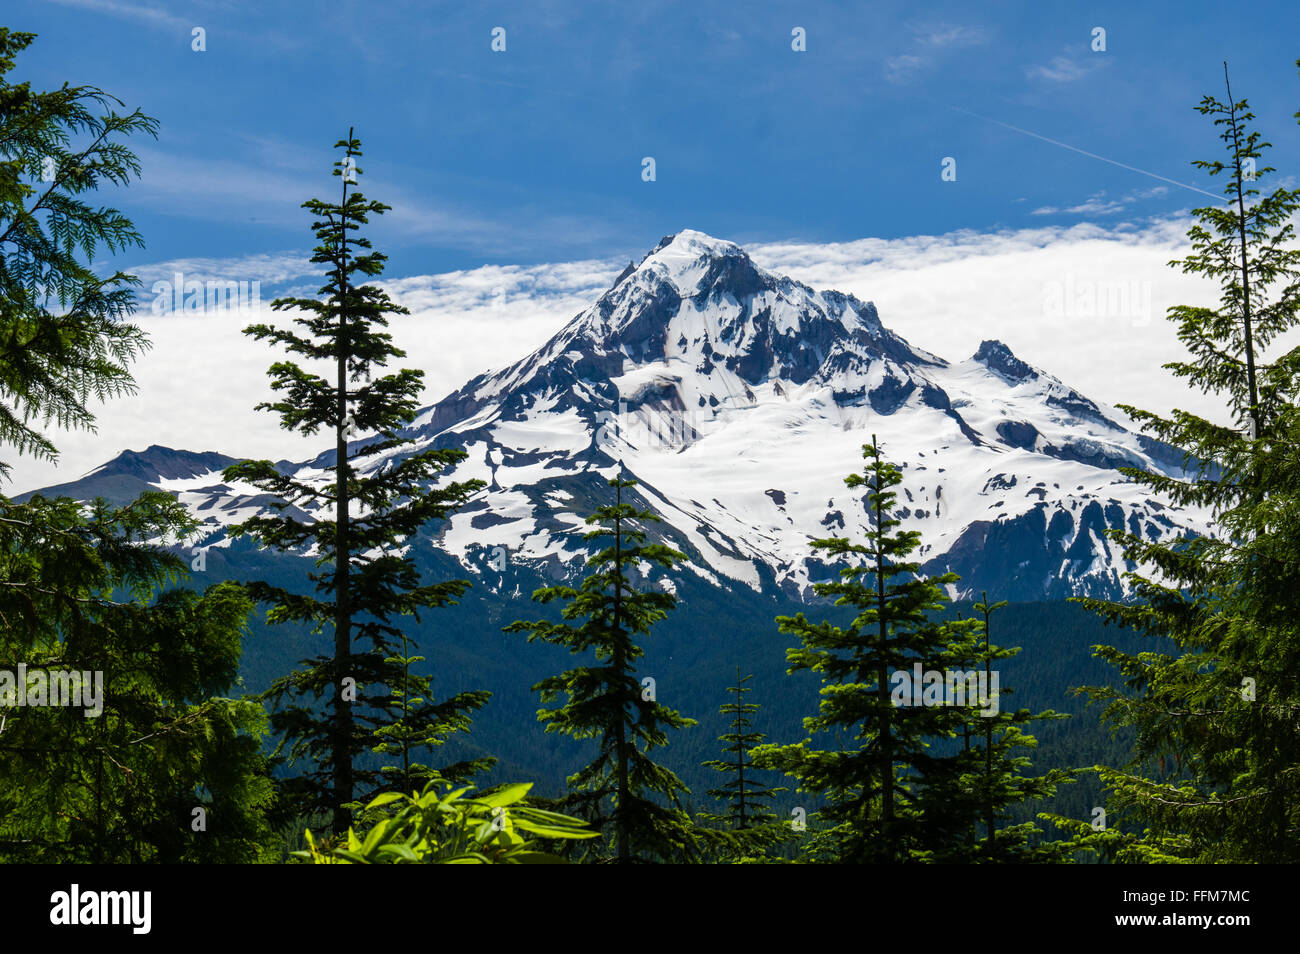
[(534, 154)]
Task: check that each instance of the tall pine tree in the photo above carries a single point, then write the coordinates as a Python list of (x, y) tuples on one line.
[(623, 792), (360, 520), (868, 780), (1215, 774), (748, 813)]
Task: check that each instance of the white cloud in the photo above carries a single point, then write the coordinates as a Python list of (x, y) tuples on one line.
[(946, 35), (947, 293), (930, 41), (268, 268), (1095, 205), (129, 11), (1063, 68), (201, 378), (1098, 204), (899, 69)]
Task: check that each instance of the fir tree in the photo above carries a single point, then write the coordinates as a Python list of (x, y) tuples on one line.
[(745, 797), (1215, 774), (361, 519), (748, 814), (623, 792), (977, 788), (420, 723), (905, 789), (868, 779), (85, 589)]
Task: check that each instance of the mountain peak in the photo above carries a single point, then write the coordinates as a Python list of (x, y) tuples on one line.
[(695, 263), (997, 357), (156, 462), (701, 302), (693, 241)]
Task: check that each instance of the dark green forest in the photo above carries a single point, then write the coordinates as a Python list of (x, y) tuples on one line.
[(695, 650), (368, 704)]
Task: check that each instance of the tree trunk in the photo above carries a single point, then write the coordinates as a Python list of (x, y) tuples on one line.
[(740, 744), (620, 662), (882, 684), (1256, 423), (989, 821), (343, 723)]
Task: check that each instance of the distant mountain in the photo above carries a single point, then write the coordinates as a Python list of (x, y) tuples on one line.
[(130, 473), (739, 400)]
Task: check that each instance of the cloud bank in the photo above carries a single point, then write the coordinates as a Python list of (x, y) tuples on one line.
[(1085, 303)]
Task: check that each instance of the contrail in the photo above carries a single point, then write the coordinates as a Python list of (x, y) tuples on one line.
[(1090, 155)]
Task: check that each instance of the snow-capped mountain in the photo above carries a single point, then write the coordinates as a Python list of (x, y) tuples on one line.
[(740, 400)]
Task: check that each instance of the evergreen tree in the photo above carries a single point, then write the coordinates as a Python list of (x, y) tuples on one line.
[(84, 589), (745, 798), (63, 334), (1215, 774), (420, 723), (87, 588), (868, 779), (748, 813), (906, 789), (976, 789), (361, 520), (632, 800)]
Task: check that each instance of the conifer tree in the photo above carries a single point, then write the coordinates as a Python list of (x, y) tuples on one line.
[(745, 796), (1215, 774), (868, 780), (419, 723), (975, 790), (905, 789), (623, 792), (168, 769), (147, 761), (748, 814), (361, 520), (64, 337), (988, 799)]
